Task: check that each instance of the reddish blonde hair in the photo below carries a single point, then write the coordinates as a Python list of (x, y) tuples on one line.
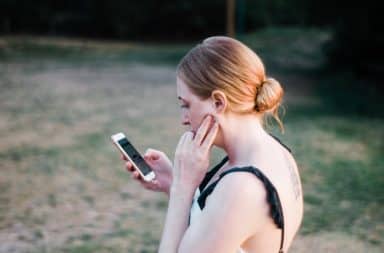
[(225, 64)]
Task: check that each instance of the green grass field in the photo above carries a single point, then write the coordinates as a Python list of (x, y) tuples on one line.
[(63, 187)]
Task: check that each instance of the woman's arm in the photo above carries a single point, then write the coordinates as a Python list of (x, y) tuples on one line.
[(177, 218), (236, 210), (190, 165)]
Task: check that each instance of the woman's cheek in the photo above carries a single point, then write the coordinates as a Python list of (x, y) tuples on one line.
[(197, 122)]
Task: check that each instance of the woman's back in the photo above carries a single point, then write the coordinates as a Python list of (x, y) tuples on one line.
[(273, 170), (278, 165)]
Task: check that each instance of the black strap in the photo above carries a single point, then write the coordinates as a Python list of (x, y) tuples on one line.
[(211, 173), (281, 143), (272, 197)]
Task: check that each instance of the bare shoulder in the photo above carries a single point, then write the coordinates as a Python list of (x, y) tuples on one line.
[(234, 212), (242, 194), (241, 185)]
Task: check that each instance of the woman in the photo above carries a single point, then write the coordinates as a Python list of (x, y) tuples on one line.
[(252, 200)]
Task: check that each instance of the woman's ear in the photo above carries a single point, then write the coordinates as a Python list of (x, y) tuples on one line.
[(220, 101)]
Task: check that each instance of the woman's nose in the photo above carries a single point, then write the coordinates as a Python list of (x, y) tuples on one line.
[(184, 120)]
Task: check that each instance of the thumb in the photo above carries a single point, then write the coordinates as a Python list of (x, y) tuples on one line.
[(152, 154)]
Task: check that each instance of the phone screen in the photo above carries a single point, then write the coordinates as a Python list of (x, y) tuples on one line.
[(135, 156)]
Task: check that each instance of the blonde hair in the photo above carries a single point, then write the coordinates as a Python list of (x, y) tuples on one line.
[(225, 64)]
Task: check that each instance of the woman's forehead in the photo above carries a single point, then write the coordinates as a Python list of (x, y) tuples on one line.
[(182, 89)]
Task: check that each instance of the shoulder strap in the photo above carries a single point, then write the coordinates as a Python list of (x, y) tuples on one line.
[(281, 143), (272, 197), (211, 173)]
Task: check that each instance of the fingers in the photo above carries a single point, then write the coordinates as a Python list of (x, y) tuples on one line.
[(188, 138), (153, 185), (210, 138), (183, 140), (204, 137), (129, 166), (203, 129), (123, 157), (136, 175)]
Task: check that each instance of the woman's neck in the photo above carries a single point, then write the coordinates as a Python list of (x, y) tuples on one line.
[(243, 137)]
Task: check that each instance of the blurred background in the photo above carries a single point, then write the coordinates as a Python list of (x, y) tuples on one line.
[(72, 73)]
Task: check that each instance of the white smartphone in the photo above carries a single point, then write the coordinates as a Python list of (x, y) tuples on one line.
[(133, 156)]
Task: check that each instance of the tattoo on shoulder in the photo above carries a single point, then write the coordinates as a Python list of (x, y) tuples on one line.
[(294, 178)]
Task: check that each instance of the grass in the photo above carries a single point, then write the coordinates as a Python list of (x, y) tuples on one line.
[(343, 182), (64, 189), (80, 52)]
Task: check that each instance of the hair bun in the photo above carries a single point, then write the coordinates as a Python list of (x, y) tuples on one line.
[(269, 95)]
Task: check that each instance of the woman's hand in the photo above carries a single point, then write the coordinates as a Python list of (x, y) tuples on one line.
[(192, 155), (160, 164)]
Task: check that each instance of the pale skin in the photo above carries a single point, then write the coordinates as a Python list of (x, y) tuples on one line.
[(236, 213)]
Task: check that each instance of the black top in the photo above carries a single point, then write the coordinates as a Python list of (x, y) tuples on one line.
[(273, 199)]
